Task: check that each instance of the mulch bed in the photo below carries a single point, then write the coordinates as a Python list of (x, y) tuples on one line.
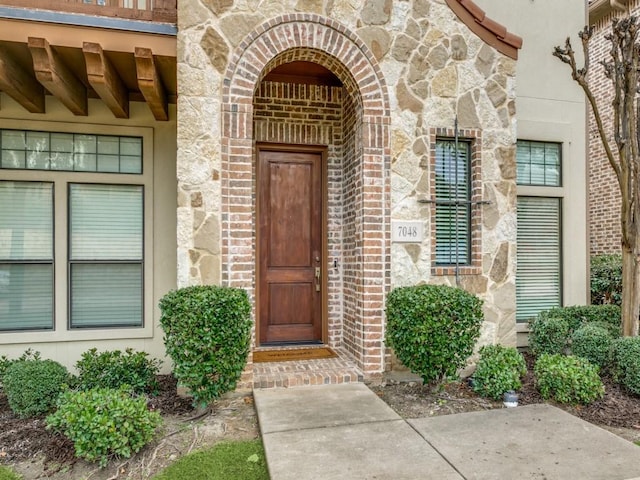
[(23, 439), (616, 409)]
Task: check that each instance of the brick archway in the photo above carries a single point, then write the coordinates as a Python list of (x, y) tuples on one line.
[(327, 42)]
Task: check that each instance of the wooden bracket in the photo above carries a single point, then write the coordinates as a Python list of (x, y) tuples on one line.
[(105, 80), (150, 83), (19, 84), (56, 77)]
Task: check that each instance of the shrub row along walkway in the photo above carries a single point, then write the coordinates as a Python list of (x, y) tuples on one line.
[(347, 432)]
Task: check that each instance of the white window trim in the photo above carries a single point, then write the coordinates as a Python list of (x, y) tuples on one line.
[(61, 331)]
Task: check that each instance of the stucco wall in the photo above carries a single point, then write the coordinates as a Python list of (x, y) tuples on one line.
[(551, 107), (64, 345)]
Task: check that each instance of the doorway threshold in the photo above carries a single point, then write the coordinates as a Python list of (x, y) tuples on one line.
[(297, 373)]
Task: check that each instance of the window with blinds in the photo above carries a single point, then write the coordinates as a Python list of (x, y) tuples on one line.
[(538, 278), (106, 255), (453, 206), (26, 256)]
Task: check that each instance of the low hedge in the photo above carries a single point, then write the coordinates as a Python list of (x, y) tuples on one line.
[(551, 330), (33, 386), (499, 370), (114, 368), (593, 342), (568, 379), (103, 423), (625, 363)]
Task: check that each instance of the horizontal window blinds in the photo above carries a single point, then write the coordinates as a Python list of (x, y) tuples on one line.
[(26, 255), (453, 229), (106, 255), (26, 221), (106, 295), (106, 222), (538, 278), (26, 296)]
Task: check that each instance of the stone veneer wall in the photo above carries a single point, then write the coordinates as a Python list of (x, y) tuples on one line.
[(431, 67)]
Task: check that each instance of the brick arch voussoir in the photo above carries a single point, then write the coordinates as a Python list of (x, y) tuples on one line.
[(342, 47)]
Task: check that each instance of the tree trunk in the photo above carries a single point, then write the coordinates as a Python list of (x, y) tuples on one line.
[(630, 291)]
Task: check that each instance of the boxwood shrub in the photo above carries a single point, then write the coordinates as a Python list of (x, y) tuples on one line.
[(578, 315), (551, 330), (568, 379), (433, 328), (207, 333), (499, 370), (548, 335), (5, 361), (113, 369), (625, 363), (104, 422), (33, 386), (593, 342)]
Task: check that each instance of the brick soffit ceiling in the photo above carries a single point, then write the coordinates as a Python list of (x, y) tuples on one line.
[(490, 31)]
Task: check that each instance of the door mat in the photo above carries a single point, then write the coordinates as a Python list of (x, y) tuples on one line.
[(293, 354)]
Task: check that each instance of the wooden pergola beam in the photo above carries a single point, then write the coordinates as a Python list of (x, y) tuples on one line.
[(150, 83), (105, 80), (56, 77), (19, 84)]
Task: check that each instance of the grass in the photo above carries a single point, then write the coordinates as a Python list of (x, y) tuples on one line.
[(225, 461), (7, 474)]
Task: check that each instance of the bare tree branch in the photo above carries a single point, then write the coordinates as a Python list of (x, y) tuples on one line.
[(567, 55)]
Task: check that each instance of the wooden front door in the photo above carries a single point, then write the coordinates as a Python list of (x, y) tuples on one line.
[(290, 259)]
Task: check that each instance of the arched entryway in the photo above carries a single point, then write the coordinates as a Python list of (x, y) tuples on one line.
[(348, 135)]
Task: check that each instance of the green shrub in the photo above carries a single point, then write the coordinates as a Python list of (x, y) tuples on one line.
[(593, 342), (7, 474), (606, 279), (433, 328), (113, 369), (551, 331), (28, 354), (614, 330), (207, 334), (578, 315), (33, 386), (568, 379), (499, 370), (548, 335), (625, 363), (103, 422)]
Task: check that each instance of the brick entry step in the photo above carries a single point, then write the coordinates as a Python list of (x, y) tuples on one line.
[(328, 371)]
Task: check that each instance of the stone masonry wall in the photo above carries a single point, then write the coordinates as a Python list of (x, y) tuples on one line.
[(431, 66)]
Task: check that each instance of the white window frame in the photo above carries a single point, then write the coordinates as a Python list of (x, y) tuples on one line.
[(61, 331)]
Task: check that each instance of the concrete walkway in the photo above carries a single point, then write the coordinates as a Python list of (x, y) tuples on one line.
[(347, 432)]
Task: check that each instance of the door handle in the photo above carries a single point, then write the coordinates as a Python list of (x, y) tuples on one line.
[(318, 276)]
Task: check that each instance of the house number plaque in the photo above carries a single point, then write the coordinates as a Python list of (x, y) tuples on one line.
[(406, 231)]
